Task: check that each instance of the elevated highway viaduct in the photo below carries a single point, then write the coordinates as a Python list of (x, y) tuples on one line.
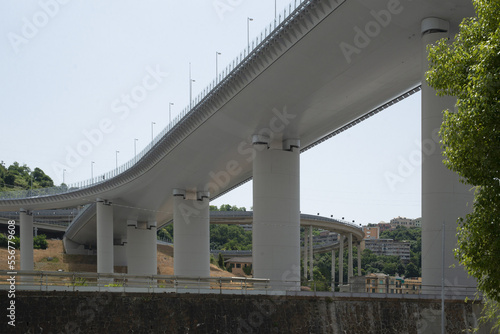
[(327, 66)]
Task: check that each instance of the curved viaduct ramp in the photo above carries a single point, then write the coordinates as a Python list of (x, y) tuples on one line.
[(82, 230)]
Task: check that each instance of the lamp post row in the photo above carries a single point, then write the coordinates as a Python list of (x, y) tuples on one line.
[(170, 104)]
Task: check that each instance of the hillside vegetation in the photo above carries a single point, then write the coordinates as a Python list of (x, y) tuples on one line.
[(17, 177)]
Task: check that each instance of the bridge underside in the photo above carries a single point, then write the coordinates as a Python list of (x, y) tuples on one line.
[(335, 62)]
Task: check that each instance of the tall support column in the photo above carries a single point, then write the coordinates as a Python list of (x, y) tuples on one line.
[(306, 258), (141, 248), (26, 234), (333, 269), (276, 213), (191, 233), (105, 253), (359, 259), (311, 253), (350, 269), (444, 198), (341, 260)]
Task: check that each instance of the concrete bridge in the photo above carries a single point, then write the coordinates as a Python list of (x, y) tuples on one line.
[(327, 66)]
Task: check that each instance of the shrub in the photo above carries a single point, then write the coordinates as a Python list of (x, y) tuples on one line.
[(4, 241), (40, 242), (247, 270)]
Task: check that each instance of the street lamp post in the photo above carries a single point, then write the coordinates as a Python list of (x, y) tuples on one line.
[(92, 171), (248, 32), (64, 171), (152, 123), (135, 150), (116, 155), (217, 67), (170, 104), (190, 88)]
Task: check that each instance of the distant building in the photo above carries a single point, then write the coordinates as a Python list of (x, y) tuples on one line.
[(382, 283), (371, 232), (238, 263), (384, 227), (389, 247), (406, 222), (412, 285)]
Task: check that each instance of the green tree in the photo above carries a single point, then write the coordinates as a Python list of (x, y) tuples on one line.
[(220, 261), (40, 242), (42, 180), (9, 178), (247, 270), (22, 177), (469, 69), (227, 207), (400, 269), (4, 241), (167, 232), (411, 270), (230, 237), (390, 268)]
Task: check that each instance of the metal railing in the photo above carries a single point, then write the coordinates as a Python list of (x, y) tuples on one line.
[(61, 217), (273, 29), (336, 220), (79, 281), (232, 252)]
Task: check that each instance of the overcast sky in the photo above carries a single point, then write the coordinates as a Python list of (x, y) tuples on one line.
[(67, 68)]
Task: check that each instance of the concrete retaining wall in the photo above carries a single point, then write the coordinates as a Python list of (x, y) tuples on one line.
[(93, 312)]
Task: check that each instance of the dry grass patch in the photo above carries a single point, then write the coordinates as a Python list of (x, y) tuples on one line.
[(53, 259)]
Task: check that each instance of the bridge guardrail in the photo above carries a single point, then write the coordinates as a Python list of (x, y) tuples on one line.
[(80, 281)]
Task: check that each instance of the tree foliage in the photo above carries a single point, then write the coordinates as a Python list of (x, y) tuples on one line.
[(469, 69), (22, 177), (167, 232), (412, 270), (39, 242), (227, 207), (230, 237)]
